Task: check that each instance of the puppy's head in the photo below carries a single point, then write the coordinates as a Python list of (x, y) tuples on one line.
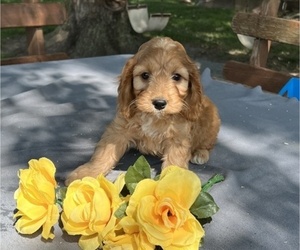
[(160, 79)]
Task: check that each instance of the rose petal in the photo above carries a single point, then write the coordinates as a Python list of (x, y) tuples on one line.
[(26, 225), (174, 183), (189, 233), (45, 167), (52, 218), (89, 242), (143, 188), (120, 182)]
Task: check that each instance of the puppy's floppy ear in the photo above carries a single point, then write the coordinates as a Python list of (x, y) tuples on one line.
[(194, 97), (125, 89)]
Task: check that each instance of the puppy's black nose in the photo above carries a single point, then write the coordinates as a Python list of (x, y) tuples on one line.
[(159, 104)]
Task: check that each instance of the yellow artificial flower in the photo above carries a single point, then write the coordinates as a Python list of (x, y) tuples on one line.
[(161, 209), (35, 198), (127, 236), (120, 182), (88, 210), (118, 239)]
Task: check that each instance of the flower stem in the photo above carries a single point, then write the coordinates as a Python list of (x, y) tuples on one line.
[(60, 195), (212, 181)]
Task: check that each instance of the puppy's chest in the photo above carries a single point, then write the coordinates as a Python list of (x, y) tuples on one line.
[(156, 130), (150, 135), (152, 128)]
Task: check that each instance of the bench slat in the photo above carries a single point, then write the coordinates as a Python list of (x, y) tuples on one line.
[(269, 80), (35, 58), (266, 27), (32, 14)]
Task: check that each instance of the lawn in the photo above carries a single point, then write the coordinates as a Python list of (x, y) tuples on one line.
[(208, 32)]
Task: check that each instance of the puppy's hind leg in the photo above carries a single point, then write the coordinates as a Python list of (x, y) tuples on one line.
[(200, 156), (108, 152)]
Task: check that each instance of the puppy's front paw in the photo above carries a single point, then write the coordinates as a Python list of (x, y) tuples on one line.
[(87, 169), (200, 156)]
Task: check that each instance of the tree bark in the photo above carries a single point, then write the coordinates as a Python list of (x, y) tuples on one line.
[(96, 28), (247, 5)]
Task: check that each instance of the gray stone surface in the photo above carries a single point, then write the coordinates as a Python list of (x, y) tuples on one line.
[(60, 109)]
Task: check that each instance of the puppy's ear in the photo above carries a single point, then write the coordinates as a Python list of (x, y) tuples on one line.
[(125, 90), (194, 97)]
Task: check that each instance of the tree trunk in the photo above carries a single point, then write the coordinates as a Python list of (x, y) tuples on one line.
[(96, 28), (247, 5)]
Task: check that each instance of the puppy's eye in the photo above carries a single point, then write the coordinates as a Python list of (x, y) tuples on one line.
[(176, 77), (145, 75)]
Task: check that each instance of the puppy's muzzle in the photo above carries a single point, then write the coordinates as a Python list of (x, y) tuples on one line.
[(159, 104)]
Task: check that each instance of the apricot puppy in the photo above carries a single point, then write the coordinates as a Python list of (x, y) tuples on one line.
[(161, 111)]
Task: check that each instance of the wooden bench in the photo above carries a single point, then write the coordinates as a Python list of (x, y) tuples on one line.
[(33, 16), (265, 27)]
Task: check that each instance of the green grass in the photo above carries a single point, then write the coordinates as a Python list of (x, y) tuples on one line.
[(210, 31), (195, 24)]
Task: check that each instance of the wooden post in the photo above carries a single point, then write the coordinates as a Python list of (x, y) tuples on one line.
[(261, 47), (35, 37)]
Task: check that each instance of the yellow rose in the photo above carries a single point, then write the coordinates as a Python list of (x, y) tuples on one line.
[(127, 236), (161, 209), (88, 210), (119, 240), (35, 198)]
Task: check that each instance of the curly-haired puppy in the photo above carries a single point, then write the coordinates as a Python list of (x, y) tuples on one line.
[(161, 111)]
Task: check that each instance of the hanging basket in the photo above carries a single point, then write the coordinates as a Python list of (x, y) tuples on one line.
[(158, 21), (247, 41), (138, 17), (141, 22)]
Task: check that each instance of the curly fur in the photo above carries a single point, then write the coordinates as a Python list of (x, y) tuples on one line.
[(161, 111)]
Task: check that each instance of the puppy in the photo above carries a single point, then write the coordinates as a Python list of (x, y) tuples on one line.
[(161, 111)]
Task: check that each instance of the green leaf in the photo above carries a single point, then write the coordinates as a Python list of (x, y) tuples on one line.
[(204, 206), (157, 177), (60, 195), (212, 181), (121, 211), (139, 171)]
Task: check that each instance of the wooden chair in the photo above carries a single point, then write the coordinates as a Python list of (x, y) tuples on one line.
[(265, 27), (33, 16)]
